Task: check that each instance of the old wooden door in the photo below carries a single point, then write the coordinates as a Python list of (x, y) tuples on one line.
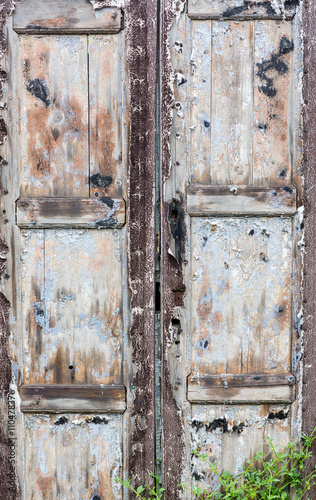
[(78, 206), (78, 200), (231, 232)]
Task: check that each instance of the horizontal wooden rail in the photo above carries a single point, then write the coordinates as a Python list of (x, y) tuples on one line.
[(240, 200), (244, 388), (65, 16), (91, 213), (240, 9), (52, 398)]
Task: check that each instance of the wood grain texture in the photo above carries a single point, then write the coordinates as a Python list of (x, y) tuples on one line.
[(73, 456), (232, 104), (72, 306), (105, 115), (91, 213), (54, 116), (245, 388), (232, 200), (240, 9), (241, 295), (273, 101), (88, 472), (175, 137), (64, 16), (242, 380), (72, 398), (255, 395), (201, 107)]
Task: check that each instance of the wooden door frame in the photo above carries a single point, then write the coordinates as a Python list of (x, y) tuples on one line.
[(309, 173)]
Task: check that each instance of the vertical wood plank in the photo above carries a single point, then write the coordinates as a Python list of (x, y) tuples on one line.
[(232, 103), (54, 116), (105, 437), (273, 113), (201, 85), (105, 99), (175, 173), (142, 72), (73, 456), (83, 307), (33, 308), (241, 309), (41, 457)]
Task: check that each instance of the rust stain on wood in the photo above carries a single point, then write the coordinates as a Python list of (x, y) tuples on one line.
[(103, 146)]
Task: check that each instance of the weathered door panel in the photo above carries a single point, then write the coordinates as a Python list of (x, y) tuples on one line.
[(231, 231), (70, 204)]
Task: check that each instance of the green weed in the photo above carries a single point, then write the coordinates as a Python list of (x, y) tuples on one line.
[(279, 477)]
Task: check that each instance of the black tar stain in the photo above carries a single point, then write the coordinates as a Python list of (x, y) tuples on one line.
[(177, 226), (248, 4), (218, 423), (97, 420), (197, 476), (197, 424), (107, 200), (275, 62), (38, 89), (280, 415), (61, 421), (101, 181)]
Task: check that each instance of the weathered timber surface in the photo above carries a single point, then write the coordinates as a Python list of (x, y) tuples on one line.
[(142, 69), (54, 119), (174, 134), (230, 120), (73, 398), (309, 172), (90, 213), (273, 103), (245, 388), (105, 116), (73, 456), (241, 295), (232, 200), (242, 102), (242, 380), (229, 435), (241, 9), (64, 16), (72, 306)]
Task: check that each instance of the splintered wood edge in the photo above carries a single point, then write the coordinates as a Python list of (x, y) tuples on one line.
[(90, 213), (73, 398), (24, 21), (244, 389), (240, 200)]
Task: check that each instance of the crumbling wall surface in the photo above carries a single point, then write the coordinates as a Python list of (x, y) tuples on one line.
[(309, 90), (8, 489)]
